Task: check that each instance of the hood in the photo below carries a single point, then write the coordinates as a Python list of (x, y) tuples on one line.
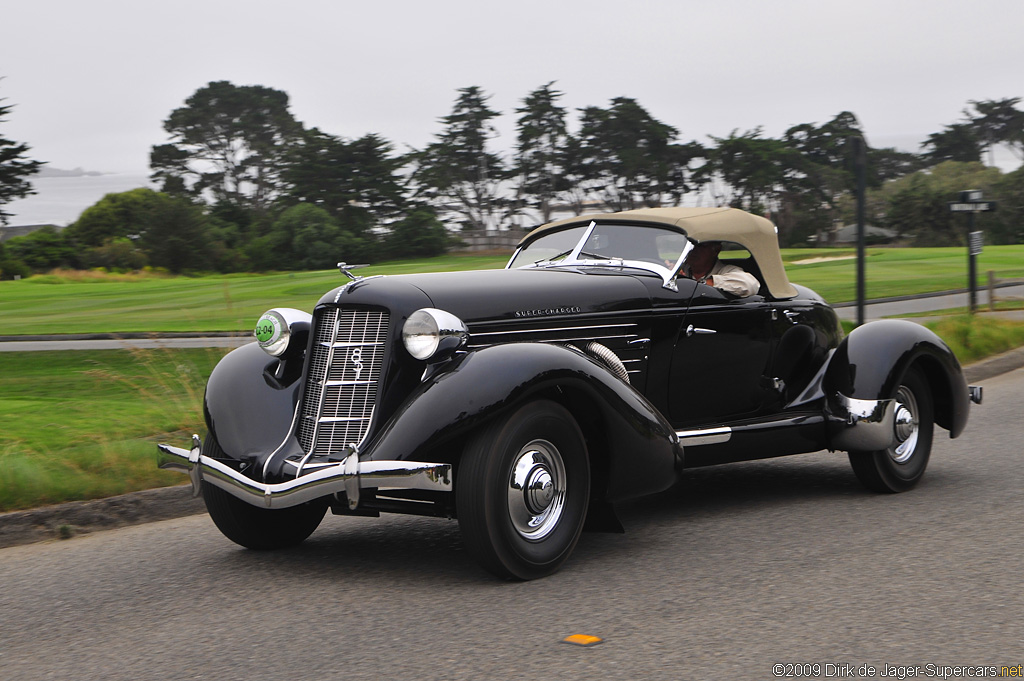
[(485, 295)]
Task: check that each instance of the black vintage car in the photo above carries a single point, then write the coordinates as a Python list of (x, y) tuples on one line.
[(526, 402)]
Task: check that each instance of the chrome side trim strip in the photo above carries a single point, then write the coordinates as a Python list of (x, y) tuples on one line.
[(565, 339), (350, 474), (552, 329), (706, 436)]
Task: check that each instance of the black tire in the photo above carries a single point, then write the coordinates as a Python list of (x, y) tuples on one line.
[(522, 490), (262, 529), (900, 467)]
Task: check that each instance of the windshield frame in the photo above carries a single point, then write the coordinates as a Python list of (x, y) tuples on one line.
[(577, 258)]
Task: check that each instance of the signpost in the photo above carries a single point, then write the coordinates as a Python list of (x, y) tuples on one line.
[(858, 149), (972, 202)]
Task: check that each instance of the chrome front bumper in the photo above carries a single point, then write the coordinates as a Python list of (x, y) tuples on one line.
[(347, 476)]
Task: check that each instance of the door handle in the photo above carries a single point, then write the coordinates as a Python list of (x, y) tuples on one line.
[(691, 329)]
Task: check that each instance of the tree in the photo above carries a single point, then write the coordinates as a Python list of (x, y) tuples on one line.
[(749, 170), (229, 141), (918, 204), (541, 147), (826, 145), (420, 235), (628, 158), (997, 122), (890, 163), (819, 177), (957, 142), (15, 168), (358, 182), (1008, 227), (117, 253), (458, 172), (170, 231), (174, 235), (116, 215), (42, 249), (306, 237)]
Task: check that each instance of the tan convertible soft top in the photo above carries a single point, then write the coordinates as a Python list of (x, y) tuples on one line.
[(754, 233)]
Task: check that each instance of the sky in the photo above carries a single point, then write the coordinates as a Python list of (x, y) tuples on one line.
[(92, 81)]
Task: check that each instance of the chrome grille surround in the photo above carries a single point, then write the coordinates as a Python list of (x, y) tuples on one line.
[(345, 364)]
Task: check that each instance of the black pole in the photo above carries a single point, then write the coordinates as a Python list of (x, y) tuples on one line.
[(972, 264), (860, 159)]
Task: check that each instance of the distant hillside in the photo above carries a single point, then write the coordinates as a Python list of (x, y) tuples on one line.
[(12, 231), (60, 172)]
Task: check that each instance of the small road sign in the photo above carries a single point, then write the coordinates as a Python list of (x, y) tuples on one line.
[(972, 206), (974, 242)]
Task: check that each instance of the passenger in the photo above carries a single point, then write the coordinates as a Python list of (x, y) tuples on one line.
[(703, 265)]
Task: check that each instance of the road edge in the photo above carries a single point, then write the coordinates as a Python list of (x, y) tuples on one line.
[(73, 518)]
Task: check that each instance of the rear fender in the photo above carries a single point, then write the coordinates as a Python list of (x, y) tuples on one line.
[(870, 363)]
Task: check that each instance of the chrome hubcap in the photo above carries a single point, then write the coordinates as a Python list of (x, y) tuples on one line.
[(906, 429), (536, 490)]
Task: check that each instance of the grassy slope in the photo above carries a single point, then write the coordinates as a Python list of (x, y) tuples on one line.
[(81, 425)]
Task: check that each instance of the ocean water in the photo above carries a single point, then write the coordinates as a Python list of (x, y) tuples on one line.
[(60, 200)]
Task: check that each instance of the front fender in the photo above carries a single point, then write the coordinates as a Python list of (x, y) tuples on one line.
[(870, 363), (641, 447), (250, 402)]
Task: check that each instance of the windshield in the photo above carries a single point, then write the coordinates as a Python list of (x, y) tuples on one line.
[(605, 242)]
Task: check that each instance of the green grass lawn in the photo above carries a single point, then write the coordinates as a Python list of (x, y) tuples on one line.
[(55, 304), (83, 425), (898, 271)]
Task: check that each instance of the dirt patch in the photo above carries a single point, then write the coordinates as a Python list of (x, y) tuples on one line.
[(811, 261)]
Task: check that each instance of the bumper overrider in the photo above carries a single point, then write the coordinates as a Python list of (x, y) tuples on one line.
[(869, 425), (348, 476)]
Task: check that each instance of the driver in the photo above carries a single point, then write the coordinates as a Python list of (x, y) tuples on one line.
[(703, 265)]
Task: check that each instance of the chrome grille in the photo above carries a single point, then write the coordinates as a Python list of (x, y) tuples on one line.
[(341, 386)]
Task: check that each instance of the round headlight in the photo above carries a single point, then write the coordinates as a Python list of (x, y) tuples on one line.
[(272, 333), (431, 333), (274, 329)]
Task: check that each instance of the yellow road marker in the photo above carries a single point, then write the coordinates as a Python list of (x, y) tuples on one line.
[(583, 640)]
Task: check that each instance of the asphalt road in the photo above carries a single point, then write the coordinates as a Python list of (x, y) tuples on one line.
[(739, 568), (880, 309)]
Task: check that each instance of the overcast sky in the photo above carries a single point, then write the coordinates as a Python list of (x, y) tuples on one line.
[(93, 80)]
